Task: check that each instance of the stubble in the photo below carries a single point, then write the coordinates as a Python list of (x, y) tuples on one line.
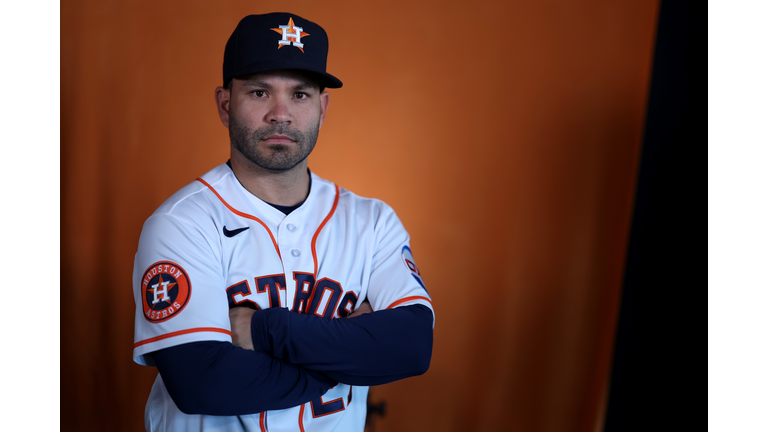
[(273, 157)]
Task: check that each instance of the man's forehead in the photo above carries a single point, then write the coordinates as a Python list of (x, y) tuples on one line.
[(294, 78)]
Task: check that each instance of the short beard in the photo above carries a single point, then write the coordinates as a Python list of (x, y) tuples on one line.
[(276, 157)]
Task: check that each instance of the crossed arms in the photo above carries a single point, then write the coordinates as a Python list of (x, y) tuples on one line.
[(281, 359)]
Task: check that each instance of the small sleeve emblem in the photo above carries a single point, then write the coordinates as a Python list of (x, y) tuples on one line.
[(165, 290), (411, 265)]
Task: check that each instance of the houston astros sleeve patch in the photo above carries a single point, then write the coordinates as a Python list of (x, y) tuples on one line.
[(165, 291)]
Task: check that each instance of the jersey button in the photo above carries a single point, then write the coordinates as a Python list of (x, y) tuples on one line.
[(291, 227), (295, 252)]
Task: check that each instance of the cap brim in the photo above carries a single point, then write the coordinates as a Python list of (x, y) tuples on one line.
[(325, 78)]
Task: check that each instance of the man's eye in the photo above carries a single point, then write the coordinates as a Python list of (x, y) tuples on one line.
[(301, 95), (259, 93)]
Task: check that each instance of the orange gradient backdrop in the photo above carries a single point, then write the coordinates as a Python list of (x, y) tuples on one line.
[(505, 134)]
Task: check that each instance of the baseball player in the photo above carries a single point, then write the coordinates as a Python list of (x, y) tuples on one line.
[(268, 298)]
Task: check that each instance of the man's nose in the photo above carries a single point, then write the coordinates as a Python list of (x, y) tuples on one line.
[(279, 112)]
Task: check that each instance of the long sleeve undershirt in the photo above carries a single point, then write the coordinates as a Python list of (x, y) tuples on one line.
[(370, 349), (297, 358), (218, 378)]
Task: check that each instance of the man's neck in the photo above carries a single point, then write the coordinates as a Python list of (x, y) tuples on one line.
[(285, 188)]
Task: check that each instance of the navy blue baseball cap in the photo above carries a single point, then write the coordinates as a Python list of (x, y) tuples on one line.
[(275, 41)]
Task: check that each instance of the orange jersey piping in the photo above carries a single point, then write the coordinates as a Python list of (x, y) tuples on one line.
[(181, 332), (245, 215), (301, 418), (320, 228), (407, 299)]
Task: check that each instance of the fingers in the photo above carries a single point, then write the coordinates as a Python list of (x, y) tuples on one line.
[(364, 308), (240, 323)]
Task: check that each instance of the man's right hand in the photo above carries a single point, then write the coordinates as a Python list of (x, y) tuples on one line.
[(240, 323)]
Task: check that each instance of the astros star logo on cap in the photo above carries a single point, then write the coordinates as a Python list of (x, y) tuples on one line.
[(251, 48), (291, 35)]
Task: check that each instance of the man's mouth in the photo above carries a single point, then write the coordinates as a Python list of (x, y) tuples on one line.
[(278, 139)]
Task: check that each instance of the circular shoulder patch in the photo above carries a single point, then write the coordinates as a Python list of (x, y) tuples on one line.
[(166, 290), (411, 264)]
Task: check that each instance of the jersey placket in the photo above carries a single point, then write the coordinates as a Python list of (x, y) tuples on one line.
[(292, 238)]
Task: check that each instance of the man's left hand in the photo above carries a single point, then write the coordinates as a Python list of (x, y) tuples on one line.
[(364, 308), (240, 322)]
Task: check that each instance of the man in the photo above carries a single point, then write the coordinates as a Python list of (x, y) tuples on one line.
[(267, 297)]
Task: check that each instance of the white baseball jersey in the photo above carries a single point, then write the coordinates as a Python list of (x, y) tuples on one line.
[(214, 245)]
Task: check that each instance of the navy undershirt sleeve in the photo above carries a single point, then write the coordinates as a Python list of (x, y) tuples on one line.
[(217, 378), (369, 349), (297, 359)]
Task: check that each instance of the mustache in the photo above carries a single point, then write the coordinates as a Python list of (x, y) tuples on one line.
[(279, 129)]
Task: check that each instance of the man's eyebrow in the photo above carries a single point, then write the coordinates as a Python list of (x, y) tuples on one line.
[(266, 85), (306, 86), (257, 83)]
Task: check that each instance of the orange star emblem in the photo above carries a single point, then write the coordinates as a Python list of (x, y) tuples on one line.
[(160, 283), (291, 35)]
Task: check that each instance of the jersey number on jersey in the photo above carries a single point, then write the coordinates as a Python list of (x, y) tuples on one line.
[(320, 408)]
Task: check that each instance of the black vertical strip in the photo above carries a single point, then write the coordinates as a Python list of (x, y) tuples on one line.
[(659, 365)]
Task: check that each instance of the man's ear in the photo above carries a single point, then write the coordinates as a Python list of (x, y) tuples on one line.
[(222, 104), (325, 99)]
